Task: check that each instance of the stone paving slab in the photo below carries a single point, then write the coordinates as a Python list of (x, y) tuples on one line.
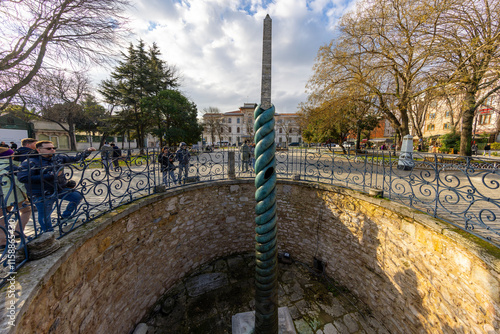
[(315, 303), (244, 323)]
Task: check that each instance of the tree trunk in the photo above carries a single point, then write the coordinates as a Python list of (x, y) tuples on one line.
[(467, 123), (404, 128), (358, 138)]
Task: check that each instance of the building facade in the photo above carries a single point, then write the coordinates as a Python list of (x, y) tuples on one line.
[(442, 117), (235, 127)]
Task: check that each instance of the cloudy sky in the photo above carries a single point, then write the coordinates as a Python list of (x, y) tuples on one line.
[(216, 45)]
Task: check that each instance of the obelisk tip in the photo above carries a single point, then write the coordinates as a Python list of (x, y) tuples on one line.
[(265, 95)]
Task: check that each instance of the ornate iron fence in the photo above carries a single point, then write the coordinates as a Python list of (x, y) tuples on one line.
[(461, 190)]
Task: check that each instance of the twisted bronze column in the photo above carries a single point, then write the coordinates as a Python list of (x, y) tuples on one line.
[(266, 284)]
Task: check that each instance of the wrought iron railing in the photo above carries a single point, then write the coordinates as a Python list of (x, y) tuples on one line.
[(461, 190)]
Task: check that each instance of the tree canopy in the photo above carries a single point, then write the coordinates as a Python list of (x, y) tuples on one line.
[(143, 89), (398, 53), (38, 33)]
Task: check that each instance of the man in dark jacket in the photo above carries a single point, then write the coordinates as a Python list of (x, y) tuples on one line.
[(166, 160), (46, 183), (28, 147), (117, 153), (183, 157)]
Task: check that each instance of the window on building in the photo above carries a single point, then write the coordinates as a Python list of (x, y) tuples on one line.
[(238, 129), (430, 127), (229, 120), (448, 113), (238, 120), (229, 130), (489, 101), (291, 130), (484, 119), (432, 115), (281, 130), (446, 126), (64, 142)]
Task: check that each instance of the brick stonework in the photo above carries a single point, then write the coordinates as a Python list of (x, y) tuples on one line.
[(417, 274)]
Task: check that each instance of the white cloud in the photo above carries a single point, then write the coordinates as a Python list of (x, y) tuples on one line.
[(217, 45)]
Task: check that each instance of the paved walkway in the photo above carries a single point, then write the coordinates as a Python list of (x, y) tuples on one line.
[(205, 301), (455, 194)]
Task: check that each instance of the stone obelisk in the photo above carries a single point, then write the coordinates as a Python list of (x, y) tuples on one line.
[(266, 254), (265, 88)]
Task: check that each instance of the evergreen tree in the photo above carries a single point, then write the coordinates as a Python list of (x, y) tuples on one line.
[(174, 116), (141, 74)]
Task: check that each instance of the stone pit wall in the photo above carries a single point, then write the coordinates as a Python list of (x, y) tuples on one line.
[(415, 273)]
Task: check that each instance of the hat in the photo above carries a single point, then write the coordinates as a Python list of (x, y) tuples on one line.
[(5, 151)]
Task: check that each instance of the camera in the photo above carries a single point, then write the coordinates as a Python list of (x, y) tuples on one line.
[(71, 184)]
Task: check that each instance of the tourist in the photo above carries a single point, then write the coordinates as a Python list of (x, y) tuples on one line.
[(183, 157), (15, 198), (166, 160), (474, 148), (2, 144), (252, 156), (28, 146), (13, 146), (487, 149), (45, 182), (245, 156), (117, 153), (106, 155)]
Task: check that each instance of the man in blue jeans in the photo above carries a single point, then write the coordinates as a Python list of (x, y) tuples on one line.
[(46, 183), (183, 157)]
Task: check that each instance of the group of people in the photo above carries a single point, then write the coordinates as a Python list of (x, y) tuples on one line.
[(33, 173), (110, 153), (167, 159), (12, 146)]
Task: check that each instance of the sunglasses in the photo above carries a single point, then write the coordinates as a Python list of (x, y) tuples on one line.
[(49, 148)]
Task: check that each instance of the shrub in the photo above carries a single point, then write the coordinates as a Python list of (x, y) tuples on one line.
[(495, 146), (451, 140), (444, 150)]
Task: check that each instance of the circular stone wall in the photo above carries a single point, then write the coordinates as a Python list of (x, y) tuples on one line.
[(416, 273)]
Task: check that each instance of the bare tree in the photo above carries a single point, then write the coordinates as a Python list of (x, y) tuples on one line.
[(287, 127), (35, 33), (58, 97), (469, 49), (384, 48), (213, 123)]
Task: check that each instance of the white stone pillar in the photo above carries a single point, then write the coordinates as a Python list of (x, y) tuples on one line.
[(406, 157)]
